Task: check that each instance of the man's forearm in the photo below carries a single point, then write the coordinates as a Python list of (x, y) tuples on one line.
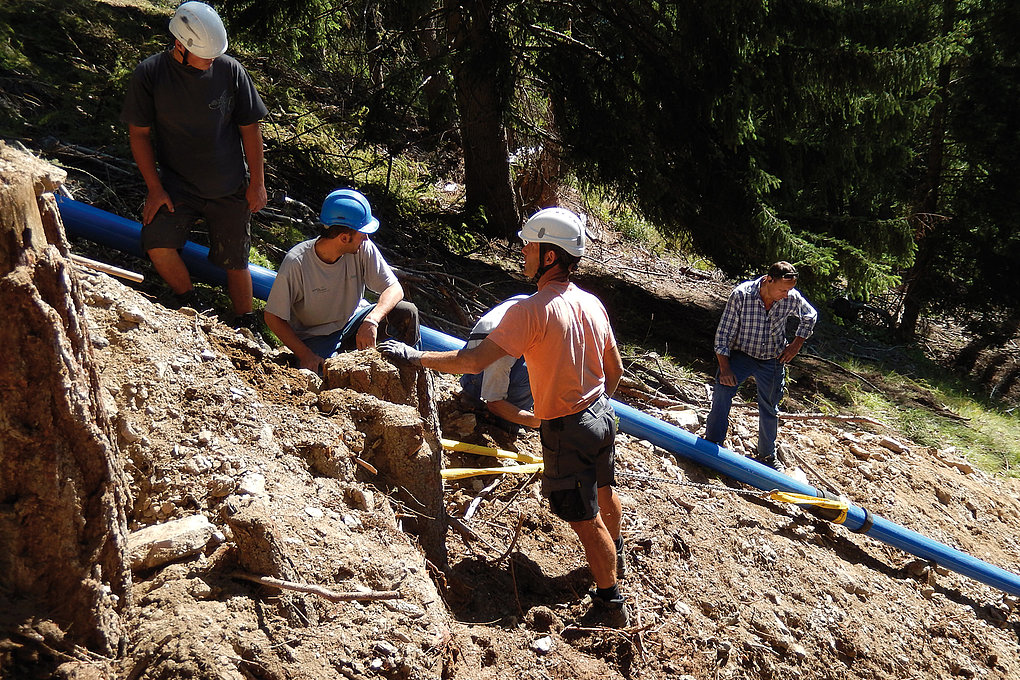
[(507, 411), (388, 299), (254, 154), (140, 141)]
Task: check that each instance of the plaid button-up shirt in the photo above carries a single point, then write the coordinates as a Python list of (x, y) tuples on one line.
[(746, 325)]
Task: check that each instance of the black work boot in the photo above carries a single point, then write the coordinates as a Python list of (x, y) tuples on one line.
[(607, 613)]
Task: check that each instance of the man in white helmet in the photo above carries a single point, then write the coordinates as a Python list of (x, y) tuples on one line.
[(195, 112), (565, 336)]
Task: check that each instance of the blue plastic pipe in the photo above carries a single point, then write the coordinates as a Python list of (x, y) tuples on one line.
[(112, 231)]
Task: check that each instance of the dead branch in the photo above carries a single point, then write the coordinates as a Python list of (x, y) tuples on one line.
[(366, 465), (516, 493), (513, 541), (482, 495), (322, 592), (825, 416), (844, 369), (832, 486), (645, 397), (106, 268)]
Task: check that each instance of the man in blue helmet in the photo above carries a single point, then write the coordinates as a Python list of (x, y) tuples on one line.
[(317, 306)]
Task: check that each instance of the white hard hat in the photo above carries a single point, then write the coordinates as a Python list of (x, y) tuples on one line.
[(200, 30), (557, 226)]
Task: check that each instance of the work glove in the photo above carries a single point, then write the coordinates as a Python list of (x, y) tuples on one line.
[(394, 349)]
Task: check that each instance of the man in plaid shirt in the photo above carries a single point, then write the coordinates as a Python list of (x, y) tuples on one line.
[(751, 340)]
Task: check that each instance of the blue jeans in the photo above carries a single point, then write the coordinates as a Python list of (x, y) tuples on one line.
[(770, 377), (401, 323)]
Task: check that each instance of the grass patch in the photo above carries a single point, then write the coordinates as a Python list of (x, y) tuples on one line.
[(988, 437)]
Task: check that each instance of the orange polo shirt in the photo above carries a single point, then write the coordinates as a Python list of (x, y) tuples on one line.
[(563, 333)]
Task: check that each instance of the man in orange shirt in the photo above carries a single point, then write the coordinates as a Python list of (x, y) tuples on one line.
[(565, 336)]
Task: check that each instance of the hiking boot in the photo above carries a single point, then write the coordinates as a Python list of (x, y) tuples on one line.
[(614, 613), (249, 320), (773, 463)]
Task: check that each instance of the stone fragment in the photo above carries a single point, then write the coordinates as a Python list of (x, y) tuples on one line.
[(542, 645), (133, 315), (892, 445), (160, 544), (860, 452), (253, 484)]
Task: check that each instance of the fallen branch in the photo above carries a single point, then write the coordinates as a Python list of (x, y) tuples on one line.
[(832, 486), (324, 593), (482, 495), (844, 369), (825, 416), (513, 541), (647, 398)]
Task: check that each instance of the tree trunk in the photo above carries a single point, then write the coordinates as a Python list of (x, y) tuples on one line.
[(480, 65), (921, 278), (63, 491)]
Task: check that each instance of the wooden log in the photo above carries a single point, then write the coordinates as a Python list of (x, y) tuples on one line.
[(107, 268)]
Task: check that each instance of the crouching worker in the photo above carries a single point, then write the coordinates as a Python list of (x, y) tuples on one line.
[(317, 306), (565, 336), (503, 388)]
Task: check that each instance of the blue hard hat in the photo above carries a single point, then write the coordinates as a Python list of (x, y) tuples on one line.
[(348, 208)]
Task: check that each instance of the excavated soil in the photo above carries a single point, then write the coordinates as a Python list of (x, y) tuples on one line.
[(723, 583)]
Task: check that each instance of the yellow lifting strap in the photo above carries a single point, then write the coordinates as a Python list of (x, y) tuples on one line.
[(803, 499), (451, 445), (462, 473)]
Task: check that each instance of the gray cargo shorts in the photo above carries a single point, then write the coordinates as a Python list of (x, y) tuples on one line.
[(227, 219), (579, 454)]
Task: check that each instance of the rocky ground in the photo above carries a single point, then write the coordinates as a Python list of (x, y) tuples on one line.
[(310, 483)]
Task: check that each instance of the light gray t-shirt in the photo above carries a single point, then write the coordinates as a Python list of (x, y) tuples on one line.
[(317, 298)]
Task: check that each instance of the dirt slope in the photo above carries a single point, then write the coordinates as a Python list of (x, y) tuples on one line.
[(725, 585)]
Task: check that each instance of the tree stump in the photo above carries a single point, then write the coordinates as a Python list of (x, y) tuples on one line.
[(63, 491)]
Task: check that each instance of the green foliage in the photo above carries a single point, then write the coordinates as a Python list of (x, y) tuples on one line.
[(47, 93), (987, 437), (975, 238), (460, 240), (761, 131)]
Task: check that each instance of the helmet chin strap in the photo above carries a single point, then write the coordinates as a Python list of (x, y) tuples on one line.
[(542, 269), (185, 53)]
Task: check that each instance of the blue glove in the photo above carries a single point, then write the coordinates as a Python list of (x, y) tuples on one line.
[(394, 349)]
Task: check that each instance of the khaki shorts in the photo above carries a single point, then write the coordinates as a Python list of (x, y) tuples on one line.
[(227, 219), (579, 453)]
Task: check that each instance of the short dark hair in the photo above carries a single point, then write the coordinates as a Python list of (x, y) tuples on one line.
[(334, 230), (568, 261), (783, 270)]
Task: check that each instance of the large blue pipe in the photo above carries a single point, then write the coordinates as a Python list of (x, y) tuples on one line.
[(116, 232)]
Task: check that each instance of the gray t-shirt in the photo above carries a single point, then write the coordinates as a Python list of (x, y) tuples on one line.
[(195, 117), (317, 298)]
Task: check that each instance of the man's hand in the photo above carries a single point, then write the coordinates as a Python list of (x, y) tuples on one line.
[(312, 361), (791, 350), (394, 349), (727, 377), (367, 334), (256, 195), (155, 200)]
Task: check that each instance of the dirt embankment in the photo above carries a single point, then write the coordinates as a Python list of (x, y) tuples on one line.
[(724, 584)]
